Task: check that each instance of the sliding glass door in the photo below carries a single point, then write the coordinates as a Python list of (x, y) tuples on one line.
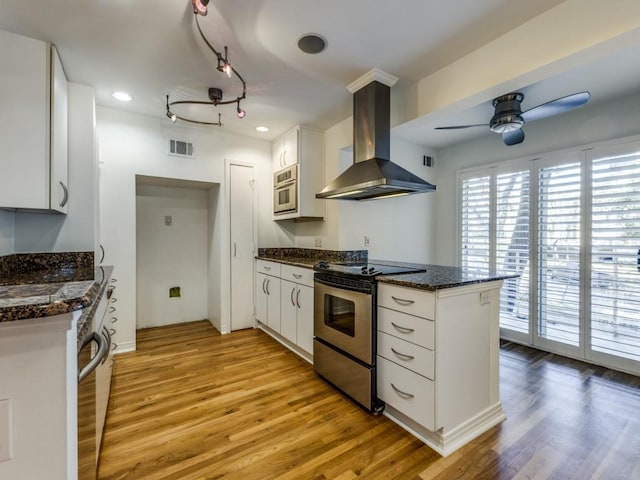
[(614, 307), (569, 226)]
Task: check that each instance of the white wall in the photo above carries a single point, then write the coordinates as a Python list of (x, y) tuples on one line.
[(171, 256), (399, 228), (7, 232), (75, 231), (130, 145), (589, 124)]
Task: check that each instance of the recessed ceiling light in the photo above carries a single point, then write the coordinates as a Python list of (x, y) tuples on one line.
[(312, 43), (122, 96), (262, 129)]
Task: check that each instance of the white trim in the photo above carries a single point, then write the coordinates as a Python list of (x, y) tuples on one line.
[(445, 443), (124, 347), (308, 357), (373, 75)]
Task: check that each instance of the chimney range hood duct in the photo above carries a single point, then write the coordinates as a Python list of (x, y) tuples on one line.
[(372, 174)]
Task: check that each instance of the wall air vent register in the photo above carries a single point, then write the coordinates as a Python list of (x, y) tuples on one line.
[(179, 148)]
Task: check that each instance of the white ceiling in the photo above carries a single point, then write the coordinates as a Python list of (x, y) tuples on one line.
[(152, 49)]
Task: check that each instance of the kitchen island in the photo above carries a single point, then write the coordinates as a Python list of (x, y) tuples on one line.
[(50, 307), (438, 353)]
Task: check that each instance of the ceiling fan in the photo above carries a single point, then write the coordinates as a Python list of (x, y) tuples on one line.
[(508, 117)]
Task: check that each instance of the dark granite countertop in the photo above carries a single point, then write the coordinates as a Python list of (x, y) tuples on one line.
[(294, 261), (437, 277), (38, 296)]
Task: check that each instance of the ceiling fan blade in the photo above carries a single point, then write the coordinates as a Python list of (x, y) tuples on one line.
[(458, 127), (555, 107), (513, 137)]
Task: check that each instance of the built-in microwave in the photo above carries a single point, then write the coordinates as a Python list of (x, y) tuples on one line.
[(285, 190)]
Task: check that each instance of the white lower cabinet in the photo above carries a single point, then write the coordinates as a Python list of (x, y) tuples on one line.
[(437, 363), (268, 301), (293, 317)]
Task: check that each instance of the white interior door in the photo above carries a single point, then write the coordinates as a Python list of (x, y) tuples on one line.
[(242, 245)]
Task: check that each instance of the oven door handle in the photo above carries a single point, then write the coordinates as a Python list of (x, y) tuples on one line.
[(342, 287), (102, 352)]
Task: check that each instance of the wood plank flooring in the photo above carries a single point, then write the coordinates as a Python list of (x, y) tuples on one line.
[(192, 404)]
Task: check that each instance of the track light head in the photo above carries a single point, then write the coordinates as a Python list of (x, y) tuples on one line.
[(200, 7)]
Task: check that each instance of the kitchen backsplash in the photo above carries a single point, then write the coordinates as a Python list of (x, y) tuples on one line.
[(355, 256)]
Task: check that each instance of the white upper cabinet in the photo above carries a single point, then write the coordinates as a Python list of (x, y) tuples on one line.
[(285, 150), (302, 146), (34, 133)]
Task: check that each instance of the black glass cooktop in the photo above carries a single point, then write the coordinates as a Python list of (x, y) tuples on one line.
[(364, 269)]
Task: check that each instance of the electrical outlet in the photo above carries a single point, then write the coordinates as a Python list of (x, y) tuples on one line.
[(6, 430), (367, 241), (318, 242), (168, 220)]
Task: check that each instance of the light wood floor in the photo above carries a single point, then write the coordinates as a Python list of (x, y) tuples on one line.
[(191, 404)]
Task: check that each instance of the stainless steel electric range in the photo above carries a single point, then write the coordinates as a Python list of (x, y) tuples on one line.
[(344, 327)]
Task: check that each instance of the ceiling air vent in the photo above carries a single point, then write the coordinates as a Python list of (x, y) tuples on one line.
[(180, 148)]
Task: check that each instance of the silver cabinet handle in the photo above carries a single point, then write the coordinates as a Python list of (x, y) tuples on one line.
[(284, 158), (267, 268), (264, 290), (402, 329), (114, 346), (112, 309), (292, 292), (298, 298), (66, 195), (235, 249), (297, 275), (102, 253), (114, 300), (114, 319), (114, 280), (401, 393), (112, 331), (402, 301), (268, 282), (402, 356)]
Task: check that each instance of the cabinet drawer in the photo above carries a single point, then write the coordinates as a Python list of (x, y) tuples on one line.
[(269, 268), (407, 327), (303, 276), (408, 300), (409, 355), (407, 392)]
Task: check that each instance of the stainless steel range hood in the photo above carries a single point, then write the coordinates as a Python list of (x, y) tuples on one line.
[(372, 174)]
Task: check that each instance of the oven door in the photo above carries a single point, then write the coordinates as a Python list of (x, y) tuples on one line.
[(285, 198), (343, 318)]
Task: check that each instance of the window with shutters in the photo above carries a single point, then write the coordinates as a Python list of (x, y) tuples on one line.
[(569, 225)]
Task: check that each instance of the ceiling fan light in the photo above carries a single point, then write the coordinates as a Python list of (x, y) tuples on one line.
[(506, 123), (241, 113), (200, 7)]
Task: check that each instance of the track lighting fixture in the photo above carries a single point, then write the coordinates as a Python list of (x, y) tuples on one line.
[(200, 7), (224, 66)]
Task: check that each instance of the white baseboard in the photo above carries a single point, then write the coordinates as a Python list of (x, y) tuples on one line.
[(445, 443), (124, 347), (280, 339)]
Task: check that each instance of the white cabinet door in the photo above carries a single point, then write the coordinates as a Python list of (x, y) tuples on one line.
[(289, 310), (24, 116), (272, 287), (261, 298), (59, 186), (290, 148), (304, 302), (242, 255)]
